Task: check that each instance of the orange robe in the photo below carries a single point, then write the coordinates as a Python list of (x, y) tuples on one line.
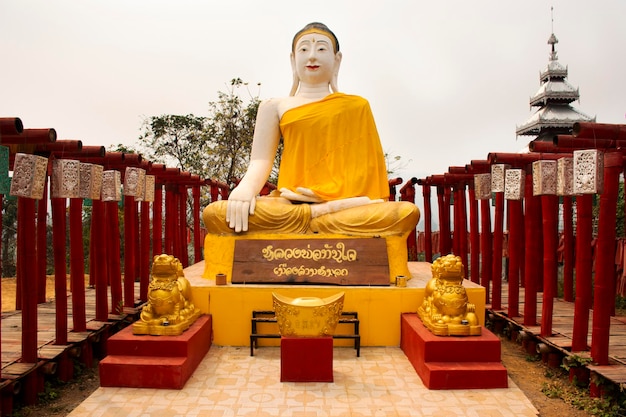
[(332, 147)]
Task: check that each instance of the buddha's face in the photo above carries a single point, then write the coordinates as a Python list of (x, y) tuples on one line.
[(314, 59)]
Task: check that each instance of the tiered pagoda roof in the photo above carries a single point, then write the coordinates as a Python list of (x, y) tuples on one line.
[(554, 115)]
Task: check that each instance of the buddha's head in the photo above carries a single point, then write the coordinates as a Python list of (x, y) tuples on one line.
[(315, 57)]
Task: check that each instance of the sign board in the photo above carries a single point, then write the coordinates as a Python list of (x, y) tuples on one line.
[(341, 261)]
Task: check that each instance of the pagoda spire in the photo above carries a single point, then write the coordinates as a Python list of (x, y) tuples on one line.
[(555, 115)]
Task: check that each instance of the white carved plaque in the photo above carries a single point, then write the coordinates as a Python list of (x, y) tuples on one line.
[(565, 176), (588, 171), (544, 177), (65, 181), (482, 186), (149, 190), (134, 182), (29, 176), (90, 181), (111, 184), (497, 177), (514, 184)]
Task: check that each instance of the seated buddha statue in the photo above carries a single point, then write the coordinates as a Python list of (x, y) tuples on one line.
[(332, 177)]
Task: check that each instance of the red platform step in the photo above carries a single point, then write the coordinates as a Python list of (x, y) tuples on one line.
[(447, 362), (306, 359), (142, 361)]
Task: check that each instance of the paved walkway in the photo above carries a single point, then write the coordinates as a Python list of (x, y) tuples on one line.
[(230, 382)]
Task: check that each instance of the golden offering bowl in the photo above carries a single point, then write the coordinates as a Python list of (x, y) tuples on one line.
[(307, 316)]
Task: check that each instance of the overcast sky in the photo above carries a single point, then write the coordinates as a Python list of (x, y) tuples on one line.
[(448, 81)]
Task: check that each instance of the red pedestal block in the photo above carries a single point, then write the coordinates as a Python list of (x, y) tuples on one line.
[(306, 359), (141, 361), (447, 362)]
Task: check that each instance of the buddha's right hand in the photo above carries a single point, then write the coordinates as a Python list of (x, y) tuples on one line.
[(240, 205)]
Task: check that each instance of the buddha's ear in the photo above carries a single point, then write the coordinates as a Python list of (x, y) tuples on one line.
[(296, 80), (333, 82)]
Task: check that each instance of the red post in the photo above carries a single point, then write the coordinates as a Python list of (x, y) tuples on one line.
[(498, 233), (113, 255), (407, 193), (98, 225), (532, 253), (446, 242), (27, 264), (157, 220), (515, 254), (197, 225), (549, 208), (428, 233), (462, 231), (60, 270), (568, 250), (144, 258), (474, 235), (486, 245), (42, 244), (584, 266), (183, 227), (77, 265), (130, 235), (604, 295)]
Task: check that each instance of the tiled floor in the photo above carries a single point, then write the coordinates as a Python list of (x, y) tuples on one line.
[(229, 382)]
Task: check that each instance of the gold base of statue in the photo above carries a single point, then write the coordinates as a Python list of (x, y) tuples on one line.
[(307, 316)]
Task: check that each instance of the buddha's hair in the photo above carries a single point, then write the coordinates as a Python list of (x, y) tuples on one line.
[(319, 28)]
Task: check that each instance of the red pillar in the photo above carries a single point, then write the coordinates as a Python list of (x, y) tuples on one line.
[(197, 225), (130, 236), (113, 255), (461, 206), (144, 258), (26, 271), (604, 295), (549, 208), (446, 232), (77, 265), (183, 227), (474, 236), (568, 250), (60, 270), (428, 232), (584, 267), (498, 230), (515, 254), (532, 253), (157, 220), (486, 245), (42, 244), (98, 225)]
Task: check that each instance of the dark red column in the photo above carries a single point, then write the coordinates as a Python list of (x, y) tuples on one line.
[(197, 225), (498, 232), (532, 254), (549, 208), (568, 250), (474, 236), (60, 269), (157, 220), (42, 244), (486, 245), (604, 295), (428, 233), (113, 244), (144, 257), (130, 237), (77, 265), (515, 254), (26, 271), (584, 266), (98, 225)]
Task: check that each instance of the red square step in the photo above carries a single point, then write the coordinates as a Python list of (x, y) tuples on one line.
[(306, 359), (141, 361)]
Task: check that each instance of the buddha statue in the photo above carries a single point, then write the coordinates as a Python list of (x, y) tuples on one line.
[(332, 176), (169, 310), (445, 310)]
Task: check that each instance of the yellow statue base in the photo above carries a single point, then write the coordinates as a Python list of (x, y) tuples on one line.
[(219, 251), (169, 311)]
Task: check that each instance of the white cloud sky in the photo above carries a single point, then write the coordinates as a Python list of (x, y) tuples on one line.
[(448, 81)]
